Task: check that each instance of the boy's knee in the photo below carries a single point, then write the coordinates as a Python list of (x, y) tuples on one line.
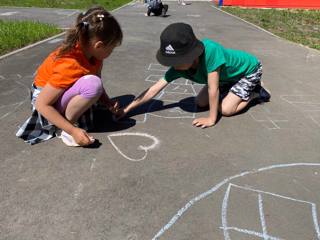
[(92, 86), (227, 111)]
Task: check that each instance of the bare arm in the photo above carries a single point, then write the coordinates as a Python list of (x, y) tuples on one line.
[(213, 94), (113, 106), (44, 104), (146, 95)]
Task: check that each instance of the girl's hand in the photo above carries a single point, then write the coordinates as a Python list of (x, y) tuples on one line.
[(81, 137), (120, 114), (113, 106), (203, 122)]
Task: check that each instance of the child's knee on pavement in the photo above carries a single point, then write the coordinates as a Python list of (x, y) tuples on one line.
[(227, 109)]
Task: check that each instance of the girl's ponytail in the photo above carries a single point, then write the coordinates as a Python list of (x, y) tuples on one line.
[(96, 22)]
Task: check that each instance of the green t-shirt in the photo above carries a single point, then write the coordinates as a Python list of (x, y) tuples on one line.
[(234, 64)]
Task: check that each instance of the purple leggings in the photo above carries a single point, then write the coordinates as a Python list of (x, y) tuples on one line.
[(88, 86)]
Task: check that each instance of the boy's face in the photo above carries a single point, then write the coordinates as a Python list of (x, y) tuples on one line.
[(183, 67), (186, 66)]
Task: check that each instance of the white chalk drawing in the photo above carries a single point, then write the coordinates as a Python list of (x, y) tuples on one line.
[(315, 119), (228, 180), (8, 13), (309, 105), (8, 109), (153, 78), (157, 67), (179, 81), (132, 236), (194, 15), (172, 97), (260, 194), (312, 56), (155, 143), (306, 103), (7, 93), (174, 112), (78, 191), (93, 164), (180, 89), (56, 40), (267, 120), (13, 108), (66, 13), (175, 91)]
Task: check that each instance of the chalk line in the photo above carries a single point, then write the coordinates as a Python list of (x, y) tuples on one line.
[(224, 214), (203, 195), (17, 105), (78, 191), (92, 164), (315, 121), (250, 232), (262, 218), (141, 147), (8, 13), (260, 205)]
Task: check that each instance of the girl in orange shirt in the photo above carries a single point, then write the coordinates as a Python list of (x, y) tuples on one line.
[(68, 82)]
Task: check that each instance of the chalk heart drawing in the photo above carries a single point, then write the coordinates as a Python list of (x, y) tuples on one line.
[(145, 149)]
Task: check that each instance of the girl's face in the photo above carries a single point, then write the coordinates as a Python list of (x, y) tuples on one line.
[(100, 51)]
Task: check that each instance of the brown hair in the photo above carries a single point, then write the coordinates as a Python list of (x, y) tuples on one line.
[(96, 22)]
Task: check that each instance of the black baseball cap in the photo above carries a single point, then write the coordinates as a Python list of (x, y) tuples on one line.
[(178, 45)]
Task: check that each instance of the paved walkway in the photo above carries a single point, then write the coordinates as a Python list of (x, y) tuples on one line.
[(253, 176), (62, 17)]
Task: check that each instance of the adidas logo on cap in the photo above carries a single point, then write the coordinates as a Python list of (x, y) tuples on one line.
[(170, 50)]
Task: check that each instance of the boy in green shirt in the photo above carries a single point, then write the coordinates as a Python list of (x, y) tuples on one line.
[(209, 63)]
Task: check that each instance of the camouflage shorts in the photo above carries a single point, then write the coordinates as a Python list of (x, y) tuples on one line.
[(245, 86)]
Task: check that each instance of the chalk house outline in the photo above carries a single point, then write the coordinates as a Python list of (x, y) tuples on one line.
[(221, 184), (264, 234)]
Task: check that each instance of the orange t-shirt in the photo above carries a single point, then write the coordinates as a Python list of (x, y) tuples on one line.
[(64, 71)]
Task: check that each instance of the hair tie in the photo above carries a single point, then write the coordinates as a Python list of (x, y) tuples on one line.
[(85, 24), (100, 16)]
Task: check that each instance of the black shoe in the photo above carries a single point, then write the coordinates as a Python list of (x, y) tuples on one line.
[(264, 95)]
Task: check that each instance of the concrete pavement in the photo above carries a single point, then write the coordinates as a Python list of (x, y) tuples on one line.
[(252, 176)]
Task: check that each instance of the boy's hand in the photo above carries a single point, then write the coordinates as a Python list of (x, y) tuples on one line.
[(203, 122), (113, 106), (120, 114)]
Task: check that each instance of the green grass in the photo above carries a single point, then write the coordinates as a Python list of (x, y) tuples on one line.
[(14, 35), (300, 26), (17, 34), (73, 4)]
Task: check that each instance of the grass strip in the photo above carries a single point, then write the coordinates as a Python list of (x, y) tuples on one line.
[(300, 26), (17, 34), (69, 4)]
